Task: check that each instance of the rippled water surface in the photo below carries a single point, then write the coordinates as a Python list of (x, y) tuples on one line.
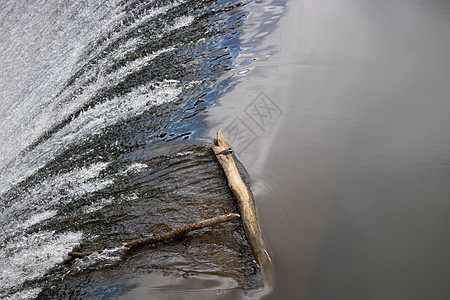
[(98, 100)]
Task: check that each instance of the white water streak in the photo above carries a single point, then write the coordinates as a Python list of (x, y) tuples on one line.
[(19, 264)]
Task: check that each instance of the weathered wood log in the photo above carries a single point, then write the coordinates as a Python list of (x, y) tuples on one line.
[(156, 238), (181, 231), (243, 196)]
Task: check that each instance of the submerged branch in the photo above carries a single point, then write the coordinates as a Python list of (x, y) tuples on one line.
[(157, 238), (181, 231)]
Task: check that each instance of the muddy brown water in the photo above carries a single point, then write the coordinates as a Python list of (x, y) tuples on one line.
[(348, 148)]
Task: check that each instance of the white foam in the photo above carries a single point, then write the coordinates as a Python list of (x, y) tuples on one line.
[(107, 255), (97, 206), (181, 22), (42, 200), (92, 122), (31, 256), (111, 111), (31, 106), (86, 173), (37, 63), (26, 294), (44, 109), (135, 168), (184, 153), (37, 218), (140, 20)]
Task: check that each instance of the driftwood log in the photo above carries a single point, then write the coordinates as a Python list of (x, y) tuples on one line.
[(243, 196), (157, 238), (244, 199)]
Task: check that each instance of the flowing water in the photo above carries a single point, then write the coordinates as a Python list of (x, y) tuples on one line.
[(101, 103), (338, 110)]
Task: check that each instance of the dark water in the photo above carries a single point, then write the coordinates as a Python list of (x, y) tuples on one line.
[(101, 105)]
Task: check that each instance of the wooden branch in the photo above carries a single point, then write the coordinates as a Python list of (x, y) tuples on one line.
[(156, 238), (181, 231), (243, 196), (84, 254)]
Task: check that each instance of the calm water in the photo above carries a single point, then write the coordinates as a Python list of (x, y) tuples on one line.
[(351, 168)]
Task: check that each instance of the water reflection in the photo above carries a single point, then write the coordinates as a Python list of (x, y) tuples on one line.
[(352, 184)]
